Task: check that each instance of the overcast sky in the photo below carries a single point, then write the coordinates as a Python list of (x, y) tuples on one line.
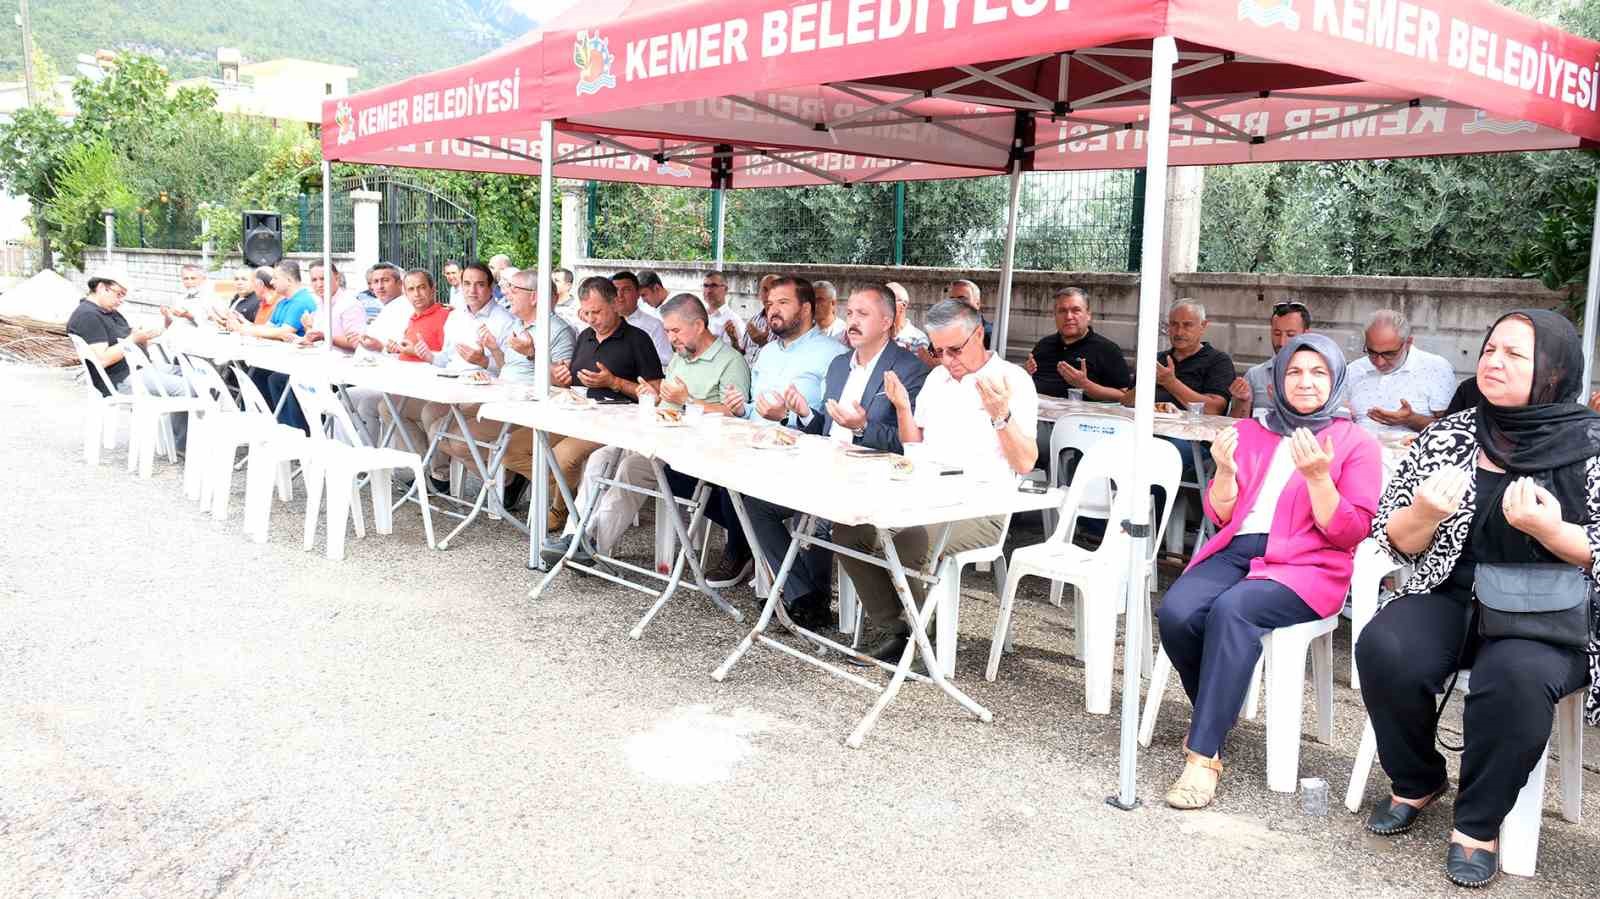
[(542, 10)]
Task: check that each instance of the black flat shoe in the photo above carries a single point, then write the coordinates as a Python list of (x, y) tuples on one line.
[(1390, 818), (811, 613), (888, 649), (1471, 868)]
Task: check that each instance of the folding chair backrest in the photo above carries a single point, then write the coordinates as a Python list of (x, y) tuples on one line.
[(206, 381), (1164, 464), (249, 393), (137, 363), (320, 405), (1100, 470), (91, 365), (1079, 433)]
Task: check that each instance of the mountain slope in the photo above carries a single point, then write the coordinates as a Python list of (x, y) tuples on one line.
[(384, 39)]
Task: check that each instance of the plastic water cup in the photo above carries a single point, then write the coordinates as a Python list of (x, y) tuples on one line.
[(1196, 410), (1075, 395), (1314, 797), (694, 413), (647, 407)]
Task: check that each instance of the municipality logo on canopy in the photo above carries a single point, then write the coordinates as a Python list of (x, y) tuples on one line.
[(1481, 122), (345, 120), (1267, 13), (591, 53)]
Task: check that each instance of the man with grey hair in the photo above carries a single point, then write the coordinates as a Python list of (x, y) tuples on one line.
[(967, 292), (197, 303), (975, 409), (498, 263), (827, 319), (1190, 370), (906, 334), (1397, 388)]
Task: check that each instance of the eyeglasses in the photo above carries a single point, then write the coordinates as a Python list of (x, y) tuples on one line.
[(950, 352), (1386, 355)]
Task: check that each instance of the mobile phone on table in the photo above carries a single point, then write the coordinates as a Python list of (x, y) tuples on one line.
[(1032, 487)]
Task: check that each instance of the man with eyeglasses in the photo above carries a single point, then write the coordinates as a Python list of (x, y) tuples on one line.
[(1289, 320), (1397, 388), (727, 325), (976, 411)]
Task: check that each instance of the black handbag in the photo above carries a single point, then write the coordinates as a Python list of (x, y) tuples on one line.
[(1543, 601)]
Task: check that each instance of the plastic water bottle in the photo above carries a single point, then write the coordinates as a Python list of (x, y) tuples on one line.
[(1314, 797)]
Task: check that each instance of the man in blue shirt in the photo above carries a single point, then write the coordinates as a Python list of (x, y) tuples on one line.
[(286, 324), (791, 367)]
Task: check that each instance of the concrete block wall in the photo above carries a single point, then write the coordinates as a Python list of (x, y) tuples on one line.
[(1449, 315), (151, 276)]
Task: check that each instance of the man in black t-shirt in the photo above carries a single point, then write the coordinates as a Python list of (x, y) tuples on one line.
[(97, 323), (1191, 370), (1075, 357), (610, 359)]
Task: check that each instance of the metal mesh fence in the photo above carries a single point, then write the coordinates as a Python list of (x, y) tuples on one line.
[(1067, 221), (302, 223)]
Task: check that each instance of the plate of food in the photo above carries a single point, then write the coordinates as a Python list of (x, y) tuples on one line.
[(902, 469), (774, 439), (366, 362), (568, 399), (477, 376), (1167, 410), (670, 418)]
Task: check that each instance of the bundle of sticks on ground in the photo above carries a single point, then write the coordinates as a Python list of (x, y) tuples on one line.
[(35, 342)]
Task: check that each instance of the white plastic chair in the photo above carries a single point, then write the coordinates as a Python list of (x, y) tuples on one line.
[(152, 427), (1372, 565), (100, 419), (1078, 433), (340, 465), (222, 434), (948, 593), (1100, 575), (1519, 832), (1283, 658)]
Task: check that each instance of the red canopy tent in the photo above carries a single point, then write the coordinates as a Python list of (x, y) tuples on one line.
[(753, 93)]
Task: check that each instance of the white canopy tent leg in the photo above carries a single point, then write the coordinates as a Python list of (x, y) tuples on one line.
[(1136, 505), (722, 219), (330, 281), (1002, 323), (540, 507), (1591, 309)]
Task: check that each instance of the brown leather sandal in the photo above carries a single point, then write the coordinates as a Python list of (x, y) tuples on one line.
[(1197, 785)]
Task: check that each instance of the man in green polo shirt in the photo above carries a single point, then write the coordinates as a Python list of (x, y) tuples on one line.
[(702, 367)]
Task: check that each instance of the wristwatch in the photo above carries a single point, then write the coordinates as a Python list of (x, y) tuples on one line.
[(860, 432), (1000, 423)]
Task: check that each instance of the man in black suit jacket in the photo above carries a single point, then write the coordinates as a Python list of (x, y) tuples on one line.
[(856, 413)]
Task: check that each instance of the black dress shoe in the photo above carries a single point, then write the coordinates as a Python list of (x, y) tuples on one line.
[(889, 647), (1471, 868), (811, 611), (1390, 818), (438, 486), (516, 488)]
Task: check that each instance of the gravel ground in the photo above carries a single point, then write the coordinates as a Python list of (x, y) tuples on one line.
[(183, 712)]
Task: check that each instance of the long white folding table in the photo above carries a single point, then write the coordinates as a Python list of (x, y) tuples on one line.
[(623, 427), (819, 480), (392, 378)]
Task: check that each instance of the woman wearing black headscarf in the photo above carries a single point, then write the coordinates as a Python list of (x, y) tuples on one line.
[(1292, 498), (1514, 481)]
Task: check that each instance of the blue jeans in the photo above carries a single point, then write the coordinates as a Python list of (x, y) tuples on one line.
[(1211, 621)]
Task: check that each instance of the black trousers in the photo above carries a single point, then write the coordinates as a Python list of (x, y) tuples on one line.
[(1212, 620), (1406, 655), (719, 508)]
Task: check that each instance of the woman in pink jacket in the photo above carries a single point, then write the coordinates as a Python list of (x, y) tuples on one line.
[(1292, 498)]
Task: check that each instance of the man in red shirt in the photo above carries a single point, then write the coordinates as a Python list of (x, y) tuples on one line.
[(424, 336)]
